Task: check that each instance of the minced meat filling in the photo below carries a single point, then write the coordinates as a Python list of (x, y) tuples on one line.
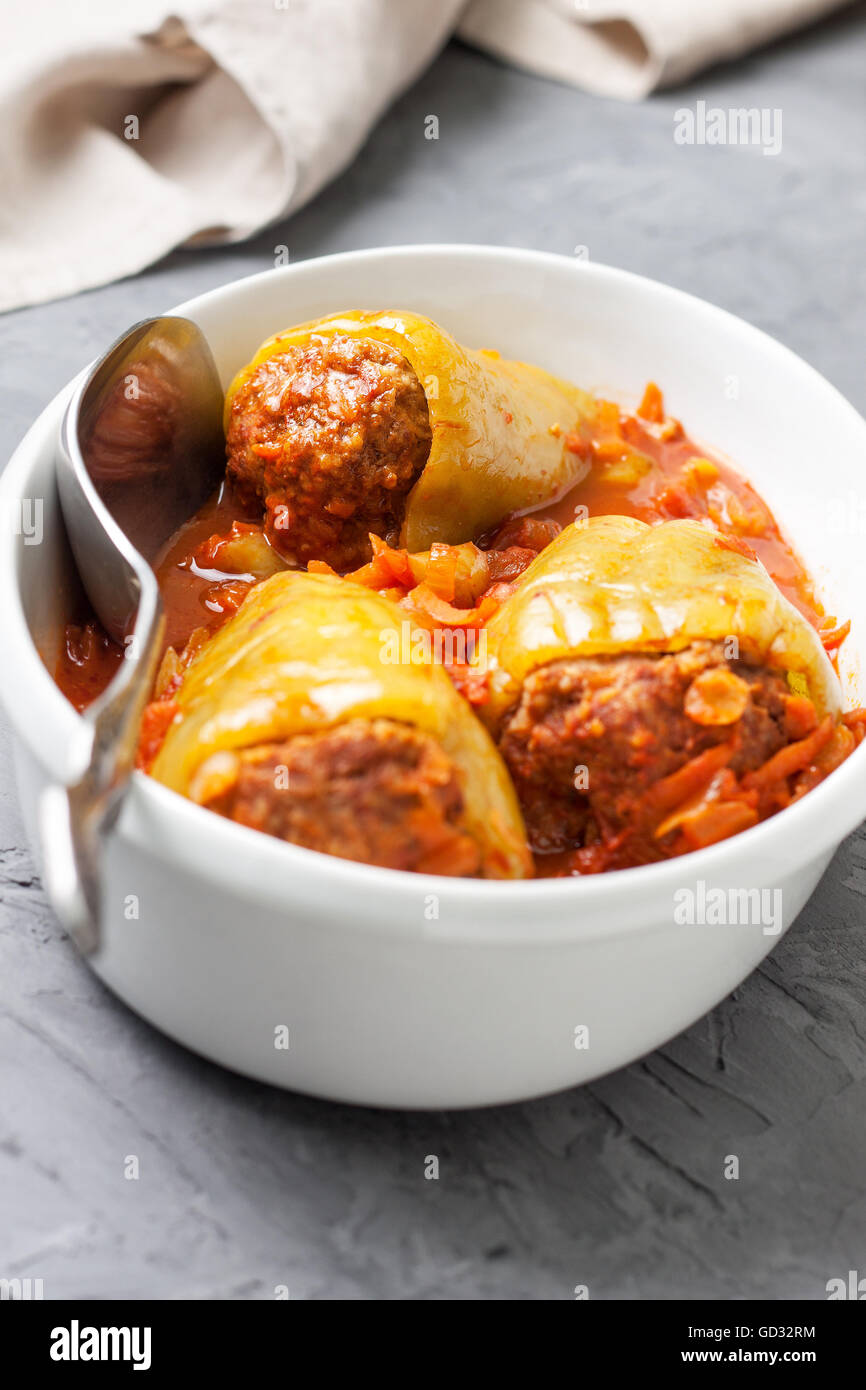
[(329, 437), (590, 735), (370, 790)]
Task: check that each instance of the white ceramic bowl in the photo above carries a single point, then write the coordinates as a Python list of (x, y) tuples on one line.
[(407, 991)]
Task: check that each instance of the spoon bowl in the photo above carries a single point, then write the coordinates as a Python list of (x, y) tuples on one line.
[(141, 447)]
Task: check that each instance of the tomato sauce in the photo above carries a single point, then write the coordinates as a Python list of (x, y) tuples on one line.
[(88, 661), (190, 594)]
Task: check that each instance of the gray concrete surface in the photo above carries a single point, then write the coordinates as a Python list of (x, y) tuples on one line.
[(620, 1185)]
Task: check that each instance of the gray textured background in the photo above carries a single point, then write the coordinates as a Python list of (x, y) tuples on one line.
[(618, 1186)]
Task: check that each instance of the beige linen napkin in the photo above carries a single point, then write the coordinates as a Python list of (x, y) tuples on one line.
[(244, 109), (129, 128), (627, 48)]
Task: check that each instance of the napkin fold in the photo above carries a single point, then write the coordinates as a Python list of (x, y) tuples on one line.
[(628, 48)]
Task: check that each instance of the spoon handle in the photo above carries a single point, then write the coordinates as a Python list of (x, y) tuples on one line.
[(74, 817)]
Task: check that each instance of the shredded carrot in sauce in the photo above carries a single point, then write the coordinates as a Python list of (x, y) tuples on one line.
[(791, 759), (832, 638), (652, 404)]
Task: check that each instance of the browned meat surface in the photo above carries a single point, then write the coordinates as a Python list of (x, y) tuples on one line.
[(590, 736), (329, 438), (369, 790)]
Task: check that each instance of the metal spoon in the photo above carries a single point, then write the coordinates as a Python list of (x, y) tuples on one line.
[(141, 448)]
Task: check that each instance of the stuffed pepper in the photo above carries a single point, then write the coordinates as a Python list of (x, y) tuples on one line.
[(299, 718), (652, 692), (383, 423)]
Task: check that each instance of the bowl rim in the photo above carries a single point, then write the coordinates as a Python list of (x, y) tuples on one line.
[(255, 866)]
